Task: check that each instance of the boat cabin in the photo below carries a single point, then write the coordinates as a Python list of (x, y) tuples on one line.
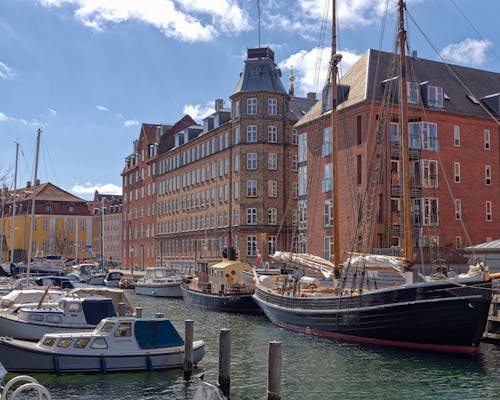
[(224, 277)]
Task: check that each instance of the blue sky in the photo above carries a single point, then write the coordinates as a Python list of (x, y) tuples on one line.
[(89, 72)]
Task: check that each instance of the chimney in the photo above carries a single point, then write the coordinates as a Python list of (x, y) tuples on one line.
[(219, 104), (311, 95), (37, 182), (28, 184)]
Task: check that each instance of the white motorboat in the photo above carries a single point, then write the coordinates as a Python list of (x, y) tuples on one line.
[(69, 315), (113, 278), (96, 279), (116, 344), (160, 282)]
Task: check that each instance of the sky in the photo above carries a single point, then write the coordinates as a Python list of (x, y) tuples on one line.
[(89, 72)]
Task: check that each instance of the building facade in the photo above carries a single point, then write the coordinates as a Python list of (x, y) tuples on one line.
[(453, 137), (61, 222)]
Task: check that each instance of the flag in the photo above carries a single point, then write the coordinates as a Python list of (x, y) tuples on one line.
[(257, 261)]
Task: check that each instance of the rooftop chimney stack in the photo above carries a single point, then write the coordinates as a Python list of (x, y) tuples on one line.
[(219, 104)]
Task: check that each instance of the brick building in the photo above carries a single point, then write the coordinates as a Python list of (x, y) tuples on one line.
[(233, 181), (454, 159)]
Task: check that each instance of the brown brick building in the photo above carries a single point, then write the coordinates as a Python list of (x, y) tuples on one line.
[(454, 158)]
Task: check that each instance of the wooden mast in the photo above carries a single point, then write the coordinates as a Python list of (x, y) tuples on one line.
[(403, 122), (335, 59)]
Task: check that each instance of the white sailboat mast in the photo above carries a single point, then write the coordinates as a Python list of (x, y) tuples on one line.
[(14, 195), (35, 177)]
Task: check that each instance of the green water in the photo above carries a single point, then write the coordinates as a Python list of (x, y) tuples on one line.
[(313, 368)]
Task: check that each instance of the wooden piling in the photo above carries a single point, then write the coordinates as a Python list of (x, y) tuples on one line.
[(138, 312), (274, 371), (122, 309), (225, 361), (188, 348)]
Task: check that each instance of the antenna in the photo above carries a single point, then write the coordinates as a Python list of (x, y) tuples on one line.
[(258, 13)]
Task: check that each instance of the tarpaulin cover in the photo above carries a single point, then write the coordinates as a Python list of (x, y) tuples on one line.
[(156, 333), (96, 310)]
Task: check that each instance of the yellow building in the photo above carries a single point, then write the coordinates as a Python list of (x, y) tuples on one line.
[(62, 224)]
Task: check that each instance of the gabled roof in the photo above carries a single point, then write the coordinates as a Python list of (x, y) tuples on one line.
[(46, 192), (167, 139)]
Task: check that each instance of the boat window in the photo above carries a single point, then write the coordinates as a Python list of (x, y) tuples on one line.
[(54, 318), (81, 343), (74, 307), (35, 317), (49, 342), (233, 272), (125, 329), (99, 343), (64, 342), (106, 327)]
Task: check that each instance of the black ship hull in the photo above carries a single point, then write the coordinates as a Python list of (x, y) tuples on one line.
[(441, 316), (230, 303)]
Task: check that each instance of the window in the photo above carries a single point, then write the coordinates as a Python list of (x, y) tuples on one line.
[(99, 343), (489, 214), (45, 225), (431, 215), (430, 173), (252, 106), (456, 172), (295, 190), (302, 147), (251, 161), (236, 162), (124, 330), (458, 209), (487, 138), (434, 96), (295, 163), (236, 190), (251, 216), (272, 134), (252, 188), (251, 246), (295, 139), (272, 188), (272, 216), (487, 174), (81, 343), (458, 242), (358, 130), (327, 142), (456, 136), (252, 133), (64, 342), (236, 135), (272, 106), (423, 135), (359, 169), (71, 209), (412, 92), (327, 214), (327, 247), (272, 161), (327, 178), (302, 184), (236, 108), (271, 244)]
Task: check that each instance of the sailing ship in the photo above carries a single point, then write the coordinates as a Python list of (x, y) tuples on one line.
[(446, 315)]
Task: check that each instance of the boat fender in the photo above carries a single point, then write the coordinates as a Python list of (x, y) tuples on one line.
[(104, 369), (57, 368), (149, 363)]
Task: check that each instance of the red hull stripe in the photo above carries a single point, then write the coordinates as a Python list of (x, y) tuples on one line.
[(382, 342)]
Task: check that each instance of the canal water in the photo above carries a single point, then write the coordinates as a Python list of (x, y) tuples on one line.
[(313, 368)]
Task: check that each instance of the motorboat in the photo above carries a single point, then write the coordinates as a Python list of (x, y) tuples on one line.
[(96, 279), (160, 282), (67, 315), (117, 344), (113, 278)]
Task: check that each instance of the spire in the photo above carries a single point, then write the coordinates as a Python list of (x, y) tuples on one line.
[(291, 90)]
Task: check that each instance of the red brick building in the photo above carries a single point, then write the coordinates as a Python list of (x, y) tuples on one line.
[(454, 159)]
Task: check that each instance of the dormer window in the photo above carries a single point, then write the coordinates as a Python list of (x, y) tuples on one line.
[(434, 96), (413, 92)]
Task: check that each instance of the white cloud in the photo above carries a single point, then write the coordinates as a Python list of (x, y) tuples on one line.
[(197, 111), (190, 21), (52, 112), (87, 190), (310, 68), (3, 117), (5, 71), (130, 122), (34, 122), (468, 51), (102, 108)]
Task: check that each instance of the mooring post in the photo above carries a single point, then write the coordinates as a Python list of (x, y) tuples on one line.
[(138, 312), (225, 361), (188, 348), (274, 371), (121, 309)]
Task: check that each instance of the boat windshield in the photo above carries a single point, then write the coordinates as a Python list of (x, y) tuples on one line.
[(106, 326)]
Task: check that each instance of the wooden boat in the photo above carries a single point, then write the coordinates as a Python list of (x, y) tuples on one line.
[(117, 344), (220, 287), (160, 282), (70, 314), (447, 315)]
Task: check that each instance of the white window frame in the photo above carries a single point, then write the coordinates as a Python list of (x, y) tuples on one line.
[(272, 134), (456, 136), (272, 161), (251, 133), (456, 172), (251, 246), (487, 175), (487, 139), (252, 106), (272, 188), (458, 209), (251, 188), (251, 216), (251, 161), (272, 107), (272, 216), (489, 211)]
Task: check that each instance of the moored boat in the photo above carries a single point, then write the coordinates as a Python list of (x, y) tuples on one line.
[(117, 344), (113, 278), (160, 282), (220, 287)]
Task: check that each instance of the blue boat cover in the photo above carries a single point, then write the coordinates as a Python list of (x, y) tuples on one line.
[(154, 333), (97, 309)]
